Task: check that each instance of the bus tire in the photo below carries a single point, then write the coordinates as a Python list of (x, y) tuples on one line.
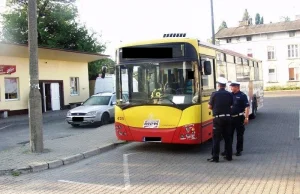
[(254, 110)]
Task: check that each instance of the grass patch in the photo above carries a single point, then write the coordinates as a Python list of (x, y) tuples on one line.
[(15, 173), (276, 88)]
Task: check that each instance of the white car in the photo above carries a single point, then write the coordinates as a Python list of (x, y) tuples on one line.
[(98, 109)]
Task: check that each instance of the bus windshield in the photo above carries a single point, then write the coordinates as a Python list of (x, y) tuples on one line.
[(161, 83)]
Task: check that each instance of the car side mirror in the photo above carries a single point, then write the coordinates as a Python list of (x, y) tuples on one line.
[(113, 103), (81, 103), (207, 68)]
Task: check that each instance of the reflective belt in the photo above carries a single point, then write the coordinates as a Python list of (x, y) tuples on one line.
[(240, 114), (224, 115)]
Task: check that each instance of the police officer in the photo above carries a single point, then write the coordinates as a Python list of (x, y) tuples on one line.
[(221, 102), (239, 116)]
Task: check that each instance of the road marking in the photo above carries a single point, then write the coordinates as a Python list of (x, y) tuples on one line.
[(6, 126), (74, 182), (126, 171)]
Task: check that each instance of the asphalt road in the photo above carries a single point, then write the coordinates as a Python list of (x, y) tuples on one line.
[(270, 164)]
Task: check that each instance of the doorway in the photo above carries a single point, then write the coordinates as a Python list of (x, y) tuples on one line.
[(52, 97)]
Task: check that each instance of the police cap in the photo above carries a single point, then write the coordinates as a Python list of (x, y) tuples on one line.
[(235, 83), (222, 80)]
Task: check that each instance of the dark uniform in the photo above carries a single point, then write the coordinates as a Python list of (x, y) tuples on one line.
[(221, 102), (238, 117)]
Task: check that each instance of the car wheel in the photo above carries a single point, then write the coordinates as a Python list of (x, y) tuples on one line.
[(75, 125), (105, 118)]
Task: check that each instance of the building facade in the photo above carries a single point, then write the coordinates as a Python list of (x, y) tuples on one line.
[(276, 44), (63, 77)]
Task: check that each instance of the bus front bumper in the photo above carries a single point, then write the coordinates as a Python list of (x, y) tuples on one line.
[(188, 134)]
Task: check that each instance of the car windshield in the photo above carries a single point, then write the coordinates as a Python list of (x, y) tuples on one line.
[(97, 100)]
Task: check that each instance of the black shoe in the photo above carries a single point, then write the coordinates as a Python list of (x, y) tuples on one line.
[(238, 153), (227, 158), (213, 160), (223, 153)]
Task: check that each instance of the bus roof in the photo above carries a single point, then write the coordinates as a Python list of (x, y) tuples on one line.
[(193, 41)]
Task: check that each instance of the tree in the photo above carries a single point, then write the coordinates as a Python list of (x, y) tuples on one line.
[(246, 15), (57, 26), (95, 67), (257, 19), (223, 25), (261, 20), (285, 18)]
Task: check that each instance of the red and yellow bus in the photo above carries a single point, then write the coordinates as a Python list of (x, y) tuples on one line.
[(176, 77)]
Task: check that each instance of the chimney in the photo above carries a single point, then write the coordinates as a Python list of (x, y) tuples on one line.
[(246, 22), (297, 17), (243, 23)]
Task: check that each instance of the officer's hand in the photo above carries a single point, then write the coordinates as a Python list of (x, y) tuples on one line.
[(246, 121)]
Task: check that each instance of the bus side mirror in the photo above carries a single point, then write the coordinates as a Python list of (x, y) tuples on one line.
[(103, 71), (207, 68)]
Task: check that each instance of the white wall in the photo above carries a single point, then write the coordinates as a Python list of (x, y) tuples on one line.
[(259, 45)]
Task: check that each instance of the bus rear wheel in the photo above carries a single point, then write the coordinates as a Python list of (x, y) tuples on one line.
[(254, 110)]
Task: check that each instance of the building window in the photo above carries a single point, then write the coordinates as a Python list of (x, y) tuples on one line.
[(291, 34), (271, 53), (293, 51), (11, 88), (294, 73), (228, 40), (249, 53), (272, 75), (249, 38), (74, 86)]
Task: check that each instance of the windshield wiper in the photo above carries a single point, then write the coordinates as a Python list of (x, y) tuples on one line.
[(165, 97)]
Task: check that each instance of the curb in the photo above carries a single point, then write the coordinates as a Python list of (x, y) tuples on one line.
[(41, 166)]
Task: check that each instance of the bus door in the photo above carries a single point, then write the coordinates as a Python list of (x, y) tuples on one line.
[(208, 86)]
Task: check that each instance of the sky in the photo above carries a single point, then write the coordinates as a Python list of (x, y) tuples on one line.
[(133, 20)]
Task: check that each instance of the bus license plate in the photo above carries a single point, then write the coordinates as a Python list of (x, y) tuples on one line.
[(151, 123)]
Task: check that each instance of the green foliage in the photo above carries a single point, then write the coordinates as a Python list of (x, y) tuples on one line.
[(285, 18), (95, 67), (275, 88), (223, 25), (246, 15), (262, 20), (57, 27), (257, 19)]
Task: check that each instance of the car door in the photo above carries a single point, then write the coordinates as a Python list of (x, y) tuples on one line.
[(111, 107)]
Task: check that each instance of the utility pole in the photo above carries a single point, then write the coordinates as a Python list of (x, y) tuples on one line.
[(212, 22), (35, 104)]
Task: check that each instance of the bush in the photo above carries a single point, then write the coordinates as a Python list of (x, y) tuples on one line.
[(274, 88)]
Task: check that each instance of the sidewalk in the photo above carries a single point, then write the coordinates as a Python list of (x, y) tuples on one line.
[(47, 117), (282, 93), (58, 152)]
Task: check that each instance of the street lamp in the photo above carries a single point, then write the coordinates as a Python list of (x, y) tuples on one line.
[(212, 22)]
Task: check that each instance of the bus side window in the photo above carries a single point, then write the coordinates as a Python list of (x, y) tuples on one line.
[(252, 72), (246, 74), (221, 69), (256, 72), (231, 71)]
